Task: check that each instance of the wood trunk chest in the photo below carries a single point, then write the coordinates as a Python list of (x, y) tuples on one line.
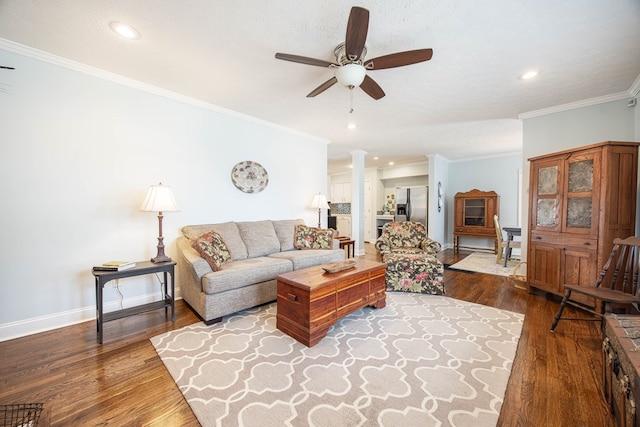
[(311, 300)]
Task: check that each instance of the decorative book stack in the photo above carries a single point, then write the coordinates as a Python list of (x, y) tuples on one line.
[(114, 266)]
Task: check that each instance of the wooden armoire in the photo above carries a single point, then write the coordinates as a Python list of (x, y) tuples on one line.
[(580, 200), (473, 216)]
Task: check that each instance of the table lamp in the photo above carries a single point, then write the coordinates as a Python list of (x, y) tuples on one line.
[(159, 199), (319, 202)]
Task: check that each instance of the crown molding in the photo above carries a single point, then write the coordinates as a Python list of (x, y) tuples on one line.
[(579, 104), (145, 87), (491, 156), (635, 87)]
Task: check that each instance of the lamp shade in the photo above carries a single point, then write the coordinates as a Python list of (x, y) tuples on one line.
[(351, 75), (319, 202), (159, 199)]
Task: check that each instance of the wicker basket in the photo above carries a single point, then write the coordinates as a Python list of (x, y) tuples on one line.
[(20, 414)]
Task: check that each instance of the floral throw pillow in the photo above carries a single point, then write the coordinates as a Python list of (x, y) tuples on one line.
[(212, 248), (312, 238)]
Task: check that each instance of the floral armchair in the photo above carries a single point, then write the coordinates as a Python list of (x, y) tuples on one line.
[(411, 260), (405, 237)]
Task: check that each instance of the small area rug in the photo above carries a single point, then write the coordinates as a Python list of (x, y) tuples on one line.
[(423, 360), (481, 262)]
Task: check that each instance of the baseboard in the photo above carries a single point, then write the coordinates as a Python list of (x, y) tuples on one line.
[(22, 328)]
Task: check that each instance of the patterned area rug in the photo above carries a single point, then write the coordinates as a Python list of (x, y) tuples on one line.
[(481, 262), (424, 360)]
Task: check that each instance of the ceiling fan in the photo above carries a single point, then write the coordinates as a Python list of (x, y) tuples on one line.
[(350, 66)]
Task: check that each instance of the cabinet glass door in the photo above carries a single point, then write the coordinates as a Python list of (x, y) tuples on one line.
[(580, 206), (547, 203), (582, 193), (474, 212)]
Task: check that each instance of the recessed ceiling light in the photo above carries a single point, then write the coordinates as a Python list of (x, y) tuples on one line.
[(376, 158), (529, 74), (391, 163), (124, 30), (351, 126)]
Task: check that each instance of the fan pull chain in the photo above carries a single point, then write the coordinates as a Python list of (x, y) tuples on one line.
[(350, 101)]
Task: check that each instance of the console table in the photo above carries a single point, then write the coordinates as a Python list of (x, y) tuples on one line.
[(141, 268)]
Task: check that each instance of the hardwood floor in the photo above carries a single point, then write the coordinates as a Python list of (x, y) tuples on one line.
[(555, 379)]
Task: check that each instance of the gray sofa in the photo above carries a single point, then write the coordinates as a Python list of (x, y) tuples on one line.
[(260, 249)]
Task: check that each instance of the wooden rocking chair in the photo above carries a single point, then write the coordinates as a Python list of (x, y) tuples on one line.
[(616, 284)]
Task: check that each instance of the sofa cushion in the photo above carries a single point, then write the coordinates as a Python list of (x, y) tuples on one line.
[(238, 274), (212, 248), (229, 232), (312, 237), (285, 229), (259, 237), (310, 257)]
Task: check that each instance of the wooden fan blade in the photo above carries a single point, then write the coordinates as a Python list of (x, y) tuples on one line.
[(357, 28), (304, 60), (371, 88), (399, 59), (324, 86), (7, 68)]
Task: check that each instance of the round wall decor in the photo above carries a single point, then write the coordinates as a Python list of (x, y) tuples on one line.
[(249, 177)]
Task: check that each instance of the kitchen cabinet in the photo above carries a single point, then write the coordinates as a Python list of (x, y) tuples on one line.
[(381, 220), (580, 200), (344, 225), (341, 193), (473, 216)]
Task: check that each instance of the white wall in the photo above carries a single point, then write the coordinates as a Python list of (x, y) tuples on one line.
[(438, 173), (78, 155), (499, 174)]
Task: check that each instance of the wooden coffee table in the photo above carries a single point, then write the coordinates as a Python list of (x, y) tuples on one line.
[(311, 300)]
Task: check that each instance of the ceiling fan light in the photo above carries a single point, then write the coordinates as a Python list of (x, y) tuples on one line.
[(351, 75)]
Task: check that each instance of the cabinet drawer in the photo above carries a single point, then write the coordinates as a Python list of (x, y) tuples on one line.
[(563, 240)]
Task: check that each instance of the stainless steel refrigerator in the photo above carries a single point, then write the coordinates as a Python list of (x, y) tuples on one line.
[(413, 202)]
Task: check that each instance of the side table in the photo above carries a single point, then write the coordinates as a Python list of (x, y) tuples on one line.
[(141, 268), (348, 245)]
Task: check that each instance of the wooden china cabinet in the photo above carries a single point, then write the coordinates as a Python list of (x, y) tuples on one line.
[(474, 211), (580, 200)]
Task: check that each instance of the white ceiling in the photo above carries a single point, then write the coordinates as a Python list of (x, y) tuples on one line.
[(463, 103)]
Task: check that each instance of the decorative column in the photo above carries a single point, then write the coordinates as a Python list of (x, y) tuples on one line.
[(357, 200)]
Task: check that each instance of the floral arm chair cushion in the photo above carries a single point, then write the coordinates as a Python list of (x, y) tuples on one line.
[(414, 273)]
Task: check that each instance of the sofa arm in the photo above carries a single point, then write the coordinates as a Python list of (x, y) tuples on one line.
[(430, 246), (194, 261)]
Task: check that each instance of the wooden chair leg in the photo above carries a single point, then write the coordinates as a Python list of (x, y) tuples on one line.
[(556, 319)]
